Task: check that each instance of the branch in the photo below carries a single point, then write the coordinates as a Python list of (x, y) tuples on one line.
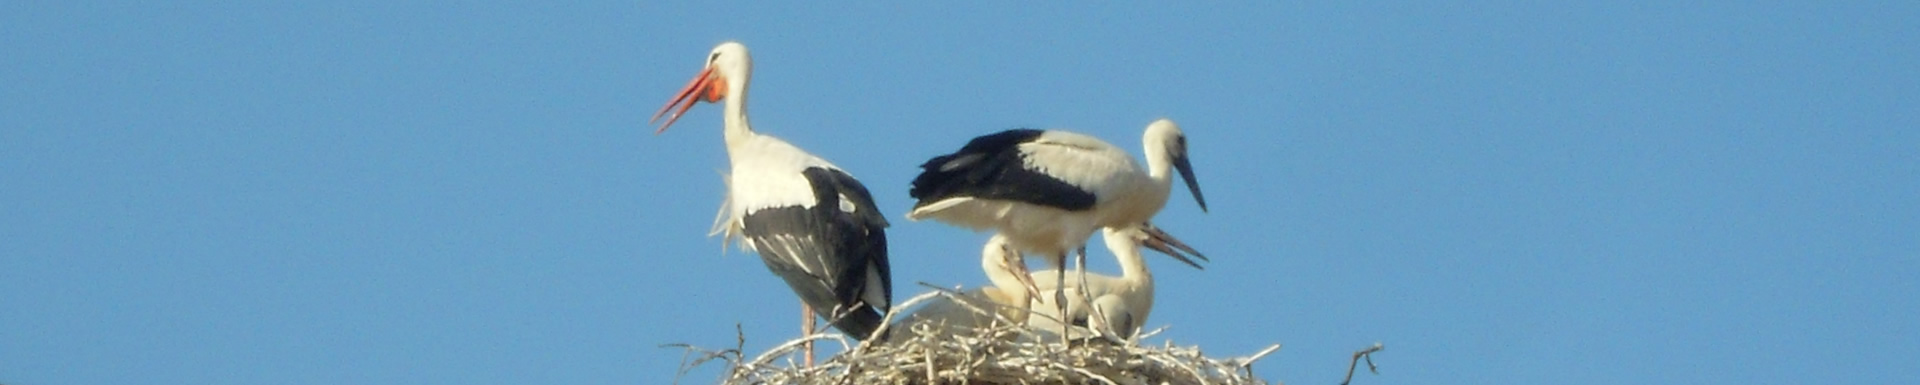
[(1363, 353)]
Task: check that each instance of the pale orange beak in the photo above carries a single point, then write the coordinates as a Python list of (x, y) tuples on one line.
[(1017, 264), (1160, 241), (704, 86)]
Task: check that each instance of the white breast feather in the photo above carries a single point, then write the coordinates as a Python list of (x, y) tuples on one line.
[(766, 173)]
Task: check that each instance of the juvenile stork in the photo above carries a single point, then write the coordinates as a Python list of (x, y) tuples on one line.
[(1110, 305), (814, 225), (1047, 191), (1006, 300)]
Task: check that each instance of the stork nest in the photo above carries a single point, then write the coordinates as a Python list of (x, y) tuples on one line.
[(1003, 353)]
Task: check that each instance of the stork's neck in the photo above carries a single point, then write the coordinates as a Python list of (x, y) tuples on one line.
[(1159, 166), (1140, 282), (737, 128), (1133, 267)]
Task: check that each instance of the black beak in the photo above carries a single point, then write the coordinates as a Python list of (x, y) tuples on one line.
[(1186, 173)]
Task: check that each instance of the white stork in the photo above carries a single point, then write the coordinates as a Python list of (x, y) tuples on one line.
[(1047, 191), (1007, 298), (814, 225), (1120, 304)]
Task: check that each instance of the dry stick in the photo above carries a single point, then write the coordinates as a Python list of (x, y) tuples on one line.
[(1021, 358), (790, 346), (687, 363), (1368, 354), (1246, 363), (931, 372), (708, 355)]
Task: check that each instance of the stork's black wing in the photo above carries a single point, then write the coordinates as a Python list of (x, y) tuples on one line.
[(991, 167), (833, 253)]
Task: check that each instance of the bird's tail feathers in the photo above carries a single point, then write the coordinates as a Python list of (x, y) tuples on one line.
[(858, 321)]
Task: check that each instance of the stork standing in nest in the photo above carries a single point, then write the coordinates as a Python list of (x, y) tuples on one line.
[(812, 223), (1046, 191)]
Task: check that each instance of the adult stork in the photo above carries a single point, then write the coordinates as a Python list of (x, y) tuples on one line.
[(1006, 300), (813, 224), (1110, 305), (1047, 191)]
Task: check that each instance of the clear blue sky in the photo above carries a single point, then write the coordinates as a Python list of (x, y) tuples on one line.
[(379, 193)]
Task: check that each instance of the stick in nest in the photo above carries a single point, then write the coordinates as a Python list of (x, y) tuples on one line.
[(1000, 352)]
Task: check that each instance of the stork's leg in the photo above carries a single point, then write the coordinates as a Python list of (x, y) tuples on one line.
[(1080, 267), (806, 331), (1060, 302), (1086, 294)]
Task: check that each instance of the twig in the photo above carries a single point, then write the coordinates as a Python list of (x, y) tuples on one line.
[(687, 364), (999, 352), (1246, 363), (1363, 353)]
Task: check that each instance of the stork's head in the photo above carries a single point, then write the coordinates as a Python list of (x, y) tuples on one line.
[(725, 75), (1165, 142), (1000, 259)]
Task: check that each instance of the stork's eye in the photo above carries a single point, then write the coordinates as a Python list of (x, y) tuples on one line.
[(714, 56)]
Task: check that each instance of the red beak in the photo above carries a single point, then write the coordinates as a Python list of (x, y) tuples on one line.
[(689, 95)]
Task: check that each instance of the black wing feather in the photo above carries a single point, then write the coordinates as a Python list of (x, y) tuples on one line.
[(839, 246), (990, 167)]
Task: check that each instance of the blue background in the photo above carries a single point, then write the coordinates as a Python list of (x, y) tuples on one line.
[(426, 192)]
